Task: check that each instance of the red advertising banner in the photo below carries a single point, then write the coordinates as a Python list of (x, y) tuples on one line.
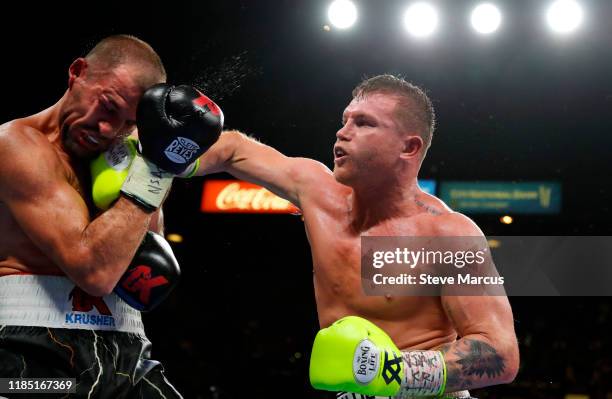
[(235, 196)]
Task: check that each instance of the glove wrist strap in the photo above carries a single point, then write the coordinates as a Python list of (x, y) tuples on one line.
[(424, 374), (146, 184), (191, 170)]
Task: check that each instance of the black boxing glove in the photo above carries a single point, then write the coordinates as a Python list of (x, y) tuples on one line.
[(176, 124), (152, 275)]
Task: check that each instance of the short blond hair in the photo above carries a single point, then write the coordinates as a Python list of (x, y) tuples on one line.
[(414, 110), (117, 50)]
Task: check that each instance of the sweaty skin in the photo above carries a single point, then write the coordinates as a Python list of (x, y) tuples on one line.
[(373, 192), (48, 224)]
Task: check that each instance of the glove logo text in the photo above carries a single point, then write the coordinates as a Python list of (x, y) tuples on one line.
[(365, 362), (181, 150), (392, 368), (141, 281), (118, 156)]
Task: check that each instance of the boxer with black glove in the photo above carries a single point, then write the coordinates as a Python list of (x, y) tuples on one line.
[(62, 259), (151, 276), (176, 124)]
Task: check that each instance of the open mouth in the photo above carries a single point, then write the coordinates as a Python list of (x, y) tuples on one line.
[(339, 154), (88, 141)]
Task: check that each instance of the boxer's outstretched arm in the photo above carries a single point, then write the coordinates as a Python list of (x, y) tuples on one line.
[(487, 351), (255, 162), (94, 254)]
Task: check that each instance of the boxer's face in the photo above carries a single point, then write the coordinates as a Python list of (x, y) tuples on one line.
[(99, 108), (369, 144)]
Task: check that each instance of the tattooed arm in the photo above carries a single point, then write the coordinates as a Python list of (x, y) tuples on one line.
[(487, 351)]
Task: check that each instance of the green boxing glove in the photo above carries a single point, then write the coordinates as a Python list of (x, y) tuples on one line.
[(111, 168), (354, 355)]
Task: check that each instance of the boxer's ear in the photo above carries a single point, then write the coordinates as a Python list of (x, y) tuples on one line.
[(412, 146), (77, 69)]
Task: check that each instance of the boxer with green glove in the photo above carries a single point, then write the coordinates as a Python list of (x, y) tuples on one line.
[(355, 355), (372, 191)]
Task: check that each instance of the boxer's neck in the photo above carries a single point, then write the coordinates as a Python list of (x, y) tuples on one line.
[(372, 205), (47, 121)]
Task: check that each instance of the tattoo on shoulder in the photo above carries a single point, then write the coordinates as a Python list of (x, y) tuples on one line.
[(479, 359), (428, 208)]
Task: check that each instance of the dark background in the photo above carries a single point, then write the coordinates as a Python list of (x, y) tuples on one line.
[(521, 105)]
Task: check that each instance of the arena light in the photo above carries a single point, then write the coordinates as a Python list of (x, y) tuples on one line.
[(507, 219), (342, 14), (421, 19), (564, 16), (174, 237), (494, 243), (486, 18)]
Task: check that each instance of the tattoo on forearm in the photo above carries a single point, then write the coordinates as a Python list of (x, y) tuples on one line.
[(480, 359), (453, 378), (474, 359)]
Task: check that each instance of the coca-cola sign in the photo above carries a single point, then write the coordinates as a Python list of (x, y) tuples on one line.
[(235, 196)]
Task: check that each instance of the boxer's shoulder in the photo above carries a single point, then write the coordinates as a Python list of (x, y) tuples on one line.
[(310, 171), (317, 181), (456, 224), (19, 138), (22, 147), (435, 218)]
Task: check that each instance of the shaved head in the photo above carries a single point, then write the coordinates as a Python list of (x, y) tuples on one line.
[(126, 50)]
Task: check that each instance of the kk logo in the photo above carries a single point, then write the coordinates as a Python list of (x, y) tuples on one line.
[(207, 104), (83, 302), (392, 368), (140, 281)]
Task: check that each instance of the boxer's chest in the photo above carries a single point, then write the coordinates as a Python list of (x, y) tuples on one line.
[(339, 278), (338, 251)]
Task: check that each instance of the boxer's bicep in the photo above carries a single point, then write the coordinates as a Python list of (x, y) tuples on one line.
[(47, 208), (489, 316)]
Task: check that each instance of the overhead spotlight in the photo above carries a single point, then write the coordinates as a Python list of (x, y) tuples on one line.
[(564, 16), (507, 219), (421, 19), (486, 18), (342, 14)]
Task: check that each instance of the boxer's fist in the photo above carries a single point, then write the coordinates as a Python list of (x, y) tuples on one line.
[(108, 172), (152, 275), (354, 355), (176, 124)]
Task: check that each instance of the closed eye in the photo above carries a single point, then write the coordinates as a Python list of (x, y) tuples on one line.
[(108, 105), (365, 122)]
